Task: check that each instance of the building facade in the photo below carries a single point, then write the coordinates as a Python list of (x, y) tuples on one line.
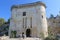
[(29, 19)]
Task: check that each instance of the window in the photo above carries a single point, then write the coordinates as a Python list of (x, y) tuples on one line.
[(23, 22), (24, 13), (42, 16), (31, 22)]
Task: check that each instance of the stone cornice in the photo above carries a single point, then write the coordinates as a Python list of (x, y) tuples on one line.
[(28, 4)]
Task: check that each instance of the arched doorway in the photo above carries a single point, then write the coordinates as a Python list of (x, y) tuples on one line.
[(28, 32)]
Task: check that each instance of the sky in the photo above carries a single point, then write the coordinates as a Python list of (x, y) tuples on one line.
[(53, 7)]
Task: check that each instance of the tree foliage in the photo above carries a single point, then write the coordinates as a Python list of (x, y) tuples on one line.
[(51, 16), (5, 26), (51, 38), (2, 21), (13, 34)]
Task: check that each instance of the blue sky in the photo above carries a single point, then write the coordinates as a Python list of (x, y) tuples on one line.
[(53, 7)]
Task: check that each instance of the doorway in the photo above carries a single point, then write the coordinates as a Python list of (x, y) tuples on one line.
[(28, 33)]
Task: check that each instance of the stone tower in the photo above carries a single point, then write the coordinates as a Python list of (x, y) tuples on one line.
[(29, 19)]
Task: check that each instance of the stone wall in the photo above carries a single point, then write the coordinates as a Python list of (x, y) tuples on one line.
[(39, 22)]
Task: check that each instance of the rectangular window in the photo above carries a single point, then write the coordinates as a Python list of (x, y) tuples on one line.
[(31, 22), (23, 22), (24, 13)]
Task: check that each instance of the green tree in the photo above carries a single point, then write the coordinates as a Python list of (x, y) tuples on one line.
[(2, 21), (51, 35), (51, 16), (8, 20), (51, 38), (13, 34)]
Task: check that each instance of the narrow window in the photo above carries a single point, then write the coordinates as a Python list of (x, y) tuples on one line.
[(31, 22), (24, 13), (42, 16), (23, 22)]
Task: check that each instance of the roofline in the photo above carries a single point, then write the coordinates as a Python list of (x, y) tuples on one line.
[(28, 4)]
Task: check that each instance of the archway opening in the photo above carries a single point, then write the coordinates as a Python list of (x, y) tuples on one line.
[(28, 33)]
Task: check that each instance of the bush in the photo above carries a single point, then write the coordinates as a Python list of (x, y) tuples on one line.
[(13, 34), (49, 38)]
